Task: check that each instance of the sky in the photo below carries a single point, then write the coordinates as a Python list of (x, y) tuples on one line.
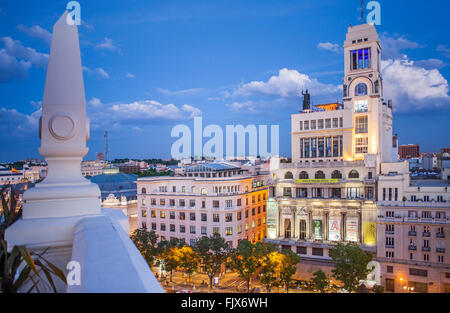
[(151, 65)]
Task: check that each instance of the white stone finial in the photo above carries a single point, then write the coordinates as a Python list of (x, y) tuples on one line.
[(64, 129)]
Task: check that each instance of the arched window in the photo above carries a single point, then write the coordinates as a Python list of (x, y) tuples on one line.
[(353, 174), (320, 175), (336, 175), (143, 190), (288, 175), (303, 175), (203, 191), (361, 89)]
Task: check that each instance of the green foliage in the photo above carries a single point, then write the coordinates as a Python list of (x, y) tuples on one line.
[(20, 267), (167, 251), (350, 264), (146, 242), (246, 259), (188, 260), (320, 281), (213, 252), (288, 267), (152, 172)]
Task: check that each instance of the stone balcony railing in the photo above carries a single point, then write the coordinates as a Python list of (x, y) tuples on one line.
[(414, 204)]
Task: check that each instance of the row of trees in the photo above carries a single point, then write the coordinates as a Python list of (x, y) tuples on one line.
[(211, 253), (272, 267)]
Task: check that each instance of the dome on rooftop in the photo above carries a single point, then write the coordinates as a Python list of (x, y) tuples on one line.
[(114, 182)]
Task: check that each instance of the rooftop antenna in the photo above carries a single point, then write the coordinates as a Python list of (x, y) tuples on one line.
[(362, 11), (106, 145)]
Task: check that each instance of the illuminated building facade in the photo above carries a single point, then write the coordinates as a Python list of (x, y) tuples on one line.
[(210, 198), (413, 230), (328, 193)]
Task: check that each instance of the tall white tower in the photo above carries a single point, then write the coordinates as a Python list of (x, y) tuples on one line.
[(363, 94)]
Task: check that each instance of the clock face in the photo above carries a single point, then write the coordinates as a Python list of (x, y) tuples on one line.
[(361, 106)]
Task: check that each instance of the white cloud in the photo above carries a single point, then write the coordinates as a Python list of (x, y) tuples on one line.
[(288, 83), (330, 46), (413, 87), (444, 50), (194, 112), (150, 110), (95, 102), (17, 123), (36, 31), (191, 91), (102, 73), (129, 75), (107, 44), (243, 107), (431, 63), (16, 59), (392, 46)]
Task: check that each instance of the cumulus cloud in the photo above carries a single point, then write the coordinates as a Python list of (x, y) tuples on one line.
[(107, 44), (288, 83), (330, 46), (16, 59), (18, 124), (392, 45), (413, 87), (95, 102), (193, 111), (102, 73), (431, 63), (36, 31), (129, 75), (243, 107)]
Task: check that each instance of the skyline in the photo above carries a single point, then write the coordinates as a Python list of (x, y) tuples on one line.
[(241, 63)]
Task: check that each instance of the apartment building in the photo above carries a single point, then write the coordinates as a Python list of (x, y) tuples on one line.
[(211, 198), (413, 231)]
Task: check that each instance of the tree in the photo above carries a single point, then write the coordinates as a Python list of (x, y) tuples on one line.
[(146, 242), (213, 252), (288, 267), (188, 260), (350, 264), (320, 280), (246, 259), (271, 266), (168, 252)]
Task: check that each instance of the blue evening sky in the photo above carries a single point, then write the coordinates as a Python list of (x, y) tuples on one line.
[(150, 65)]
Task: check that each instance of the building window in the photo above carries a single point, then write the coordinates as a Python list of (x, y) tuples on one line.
[(239, 202), (313, 124), (203, 191), (163, 227), (203, 230), (228, 203), (162, 202), (390, 283), (361, 145), (228, 231), (192, 229), (143, 191), (215, 203), (182, 216), (361, 89), (162, 214), (353, 174), (336, 175), (181, 203), (361, 126), (288, 175), (418, 272), (301, 125), (319, 124), (216, 218), (153, 226), (204, 217), (172, 227), (303, 175), (229, 217), (306, 125), (319, 175), (317, 251), (172, 215), (192, 216), (360, 59)]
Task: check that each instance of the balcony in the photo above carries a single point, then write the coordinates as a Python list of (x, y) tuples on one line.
[(440, 250), (412, 248), (389, 232), (426, 234), (412, 233), (426, 249), (390, 246), (440, 235)]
